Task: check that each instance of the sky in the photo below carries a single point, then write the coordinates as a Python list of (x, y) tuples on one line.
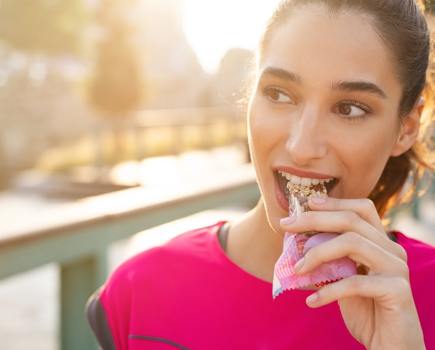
[(214, 26)]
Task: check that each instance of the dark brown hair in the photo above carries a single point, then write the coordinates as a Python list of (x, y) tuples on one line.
[(401, 24)]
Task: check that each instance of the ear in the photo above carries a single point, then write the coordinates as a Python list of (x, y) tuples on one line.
[(409, 129)]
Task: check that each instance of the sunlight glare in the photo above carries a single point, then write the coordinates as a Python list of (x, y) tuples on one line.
[(212, 27)]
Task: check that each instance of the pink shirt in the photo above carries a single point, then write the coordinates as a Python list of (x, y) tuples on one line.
[(187, 294)]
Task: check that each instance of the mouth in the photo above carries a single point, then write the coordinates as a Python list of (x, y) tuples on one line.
[(311, 186)]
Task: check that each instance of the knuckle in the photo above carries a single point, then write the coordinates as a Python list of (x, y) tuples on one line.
[(306, 217), (403, 268), (369, 204), (312, 218), (311, 255), (352, 218), (350, 238), (307, 256), (402, 286), (401, 252), (354, 283)]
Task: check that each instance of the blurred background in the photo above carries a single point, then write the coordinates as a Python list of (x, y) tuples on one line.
[(109, 108)]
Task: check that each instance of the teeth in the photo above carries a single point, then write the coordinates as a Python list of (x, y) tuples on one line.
[(304, 181), (294, 180)]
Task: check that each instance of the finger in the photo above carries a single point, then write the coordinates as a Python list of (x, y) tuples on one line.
[(343, 221), (357, 248), (364, 207), (391, 292)]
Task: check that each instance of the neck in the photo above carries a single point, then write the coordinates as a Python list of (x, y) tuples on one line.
[(254, 245)]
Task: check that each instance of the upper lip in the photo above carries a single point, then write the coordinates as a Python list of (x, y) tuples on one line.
[(303, 173)]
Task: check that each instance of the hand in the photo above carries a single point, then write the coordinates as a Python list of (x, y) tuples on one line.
[(378, 308)]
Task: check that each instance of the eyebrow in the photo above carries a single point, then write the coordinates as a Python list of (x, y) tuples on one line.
[(352, 86), (281, 74), (359, 86)]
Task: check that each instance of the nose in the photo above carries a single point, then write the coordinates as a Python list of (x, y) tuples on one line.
[(306, 140)]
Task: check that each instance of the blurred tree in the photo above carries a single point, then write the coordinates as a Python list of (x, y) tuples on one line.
[(44, 26), (36, 28), (117, 84), (233, 76), (430, 6)]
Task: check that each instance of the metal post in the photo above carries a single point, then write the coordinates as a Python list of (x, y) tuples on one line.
[(415, 206), (78, 280)]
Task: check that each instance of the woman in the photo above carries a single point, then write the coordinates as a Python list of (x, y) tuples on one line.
[(340, 94)]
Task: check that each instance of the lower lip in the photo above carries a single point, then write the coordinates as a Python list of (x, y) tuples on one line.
[(280, 197)]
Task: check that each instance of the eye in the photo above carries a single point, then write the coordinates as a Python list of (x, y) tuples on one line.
[(352, 109), (277, 95)]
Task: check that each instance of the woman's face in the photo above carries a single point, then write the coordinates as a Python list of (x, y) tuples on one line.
[(325, 105)]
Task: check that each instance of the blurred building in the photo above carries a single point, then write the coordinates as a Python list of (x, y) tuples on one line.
[(174, 76), (233, 79), (43, 102), (39, 106)]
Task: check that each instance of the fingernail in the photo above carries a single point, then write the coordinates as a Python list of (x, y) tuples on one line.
[(318, 199), (288, 220), (299, 265), (312, 298)]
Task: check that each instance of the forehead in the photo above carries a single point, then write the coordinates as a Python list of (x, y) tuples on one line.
[(322, 47)]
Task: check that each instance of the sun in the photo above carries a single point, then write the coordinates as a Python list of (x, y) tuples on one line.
[(212, 27)]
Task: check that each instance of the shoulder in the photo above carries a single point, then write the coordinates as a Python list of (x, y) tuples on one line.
[(190, 245), (420, 260), (110, 308), (421, 255), (421, 264), (169, 258)]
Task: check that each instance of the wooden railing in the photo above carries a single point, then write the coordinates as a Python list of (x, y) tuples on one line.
[(142, 125), (78, 236)]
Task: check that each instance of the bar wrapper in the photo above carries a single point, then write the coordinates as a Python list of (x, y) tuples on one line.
[(295, 246)]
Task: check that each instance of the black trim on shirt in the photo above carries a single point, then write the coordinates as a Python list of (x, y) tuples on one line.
[(223, 235), (158, 340), (98, 322), (392, 236)]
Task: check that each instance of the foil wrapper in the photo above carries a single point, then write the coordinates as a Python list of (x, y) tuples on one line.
[(295, 246)]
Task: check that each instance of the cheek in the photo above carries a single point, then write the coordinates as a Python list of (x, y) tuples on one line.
[(258, 130), (264, 135), (364, 157), (265, 128), (258, 123)]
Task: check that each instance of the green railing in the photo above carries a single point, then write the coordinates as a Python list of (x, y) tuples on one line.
[(79, 235)]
